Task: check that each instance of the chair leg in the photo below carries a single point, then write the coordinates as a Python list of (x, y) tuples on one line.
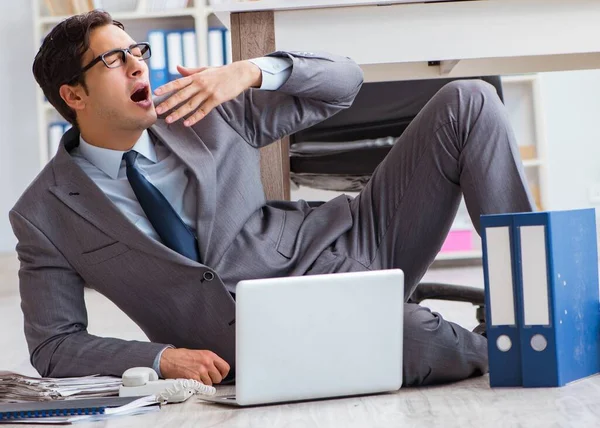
[(480, 314)]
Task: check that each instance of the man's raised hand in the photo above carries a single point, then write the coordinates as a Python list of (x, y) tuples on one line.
[(202, 89)]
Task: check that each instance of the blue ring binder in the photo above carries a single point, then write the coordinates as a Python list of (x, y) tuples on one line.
[(44, 409)]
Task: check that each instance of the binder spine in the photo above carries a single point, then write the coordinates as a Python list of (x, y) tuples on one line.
[(190, 48), (4, 416), (216, 47), (159, 73), (504, 346), (539, 361), (174, 53)]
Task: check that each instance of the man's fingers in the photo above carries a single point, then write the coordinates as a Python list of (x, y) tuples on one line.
[(209, 104), (222, 366), (194, 118), (201, 112), (177, 98), (187, 71), (182, 82), (215, 375), (205, 379), (188, 107)]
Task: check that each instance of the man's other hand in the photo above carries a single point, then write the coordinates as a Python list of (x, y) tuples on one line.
[(205, 366), (202, 89)]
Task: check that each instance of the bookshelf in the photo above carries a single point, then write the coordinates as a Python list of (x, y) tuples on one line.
[(138, 16)]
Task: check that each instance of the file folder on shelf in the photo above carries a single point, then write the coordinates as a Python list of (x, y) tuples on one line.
[(217, 54), (558, 287), (228, 50), (501, 300), (190, 49), (157, 64), (174, 53)]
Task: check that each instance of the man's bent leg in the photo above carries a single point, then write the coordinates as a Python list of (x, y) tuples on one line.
[(438, 351), (460, 142)]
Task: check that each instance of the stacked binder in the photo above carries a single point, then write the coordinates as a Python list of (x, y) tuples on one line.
[(542, 297)]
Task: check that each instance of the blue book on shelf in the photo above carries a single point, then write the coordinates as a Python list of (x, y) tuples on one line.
[(174, 53), (501, 300), (558, 289), (157, 64), (190, 48), (217, 51)]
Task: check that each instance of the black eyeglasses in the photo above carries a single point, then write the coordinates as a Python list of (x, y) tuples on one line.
[(118, 57)]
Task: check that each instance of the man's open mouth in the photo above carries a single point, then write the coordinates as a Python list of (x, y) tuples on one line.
[(140, 94)]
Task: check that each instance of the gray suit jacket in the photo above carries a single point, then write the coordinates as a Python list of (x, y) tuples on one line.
[(70, 235)]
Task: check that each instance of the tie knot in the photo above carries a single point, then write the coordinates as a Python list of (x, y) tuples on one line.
[(130, 157)]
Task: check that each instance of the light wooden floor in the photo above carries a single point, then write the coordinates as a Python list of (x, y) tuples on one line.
[(466, 404)]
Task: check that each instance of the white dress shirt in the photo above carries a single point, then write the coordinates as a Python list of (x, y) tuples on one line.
[(160, 166)]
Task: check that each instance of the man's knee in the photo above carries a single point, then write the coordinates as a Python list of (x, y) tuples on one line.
[(466, 95), (470, 88)]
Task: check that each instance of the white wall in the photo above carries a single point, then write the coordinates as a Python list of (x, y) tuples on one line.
[(571, 102), (19, 160)]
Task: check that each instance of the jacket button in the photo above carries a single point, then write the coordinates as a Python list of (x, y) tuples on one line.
[(208, 276)]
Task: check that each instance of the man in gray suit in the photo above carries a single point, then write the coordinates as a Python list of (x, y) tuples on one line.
[(165, 214)]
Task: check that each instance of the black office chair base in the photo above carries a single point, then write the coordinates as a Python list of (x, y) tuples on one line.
[(451, 292)]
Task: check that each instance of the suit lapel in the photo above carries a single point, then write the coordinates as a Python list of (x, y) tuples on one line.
[(76, 190), (192, 151)]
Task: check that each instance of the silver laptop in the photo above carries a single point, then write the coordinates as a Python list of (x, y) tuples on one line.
[(318, 336)]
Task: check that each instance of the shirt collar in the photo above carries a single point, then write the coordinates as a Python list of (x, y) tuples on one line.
[(109, 161)]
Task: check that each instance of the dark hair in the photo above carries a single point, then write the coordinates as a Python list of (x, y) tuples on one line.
[(58, 61)]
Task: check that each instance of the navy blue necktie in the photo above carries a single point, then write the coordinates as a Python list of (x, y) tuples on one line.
[(173, 232)]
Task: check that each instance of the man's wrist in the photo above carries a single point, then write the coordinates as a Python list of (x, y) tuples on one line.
[(160, 363), (254, 73), (275, 71)]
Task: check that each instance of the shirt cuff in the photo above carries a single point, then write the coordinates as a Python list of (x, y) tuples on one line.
[(275, 71), (156, 365)]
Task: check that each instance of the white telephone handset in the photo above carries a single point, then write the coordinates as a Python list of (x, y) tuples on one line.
[(143, 381)]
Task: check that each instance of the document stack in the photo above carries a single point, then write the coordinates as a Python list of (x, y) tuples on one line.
[(542, 298), (16, 388)]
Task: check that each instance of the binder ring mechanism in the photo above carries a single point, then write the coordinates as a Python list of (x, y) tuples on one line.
[(504, 343)]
